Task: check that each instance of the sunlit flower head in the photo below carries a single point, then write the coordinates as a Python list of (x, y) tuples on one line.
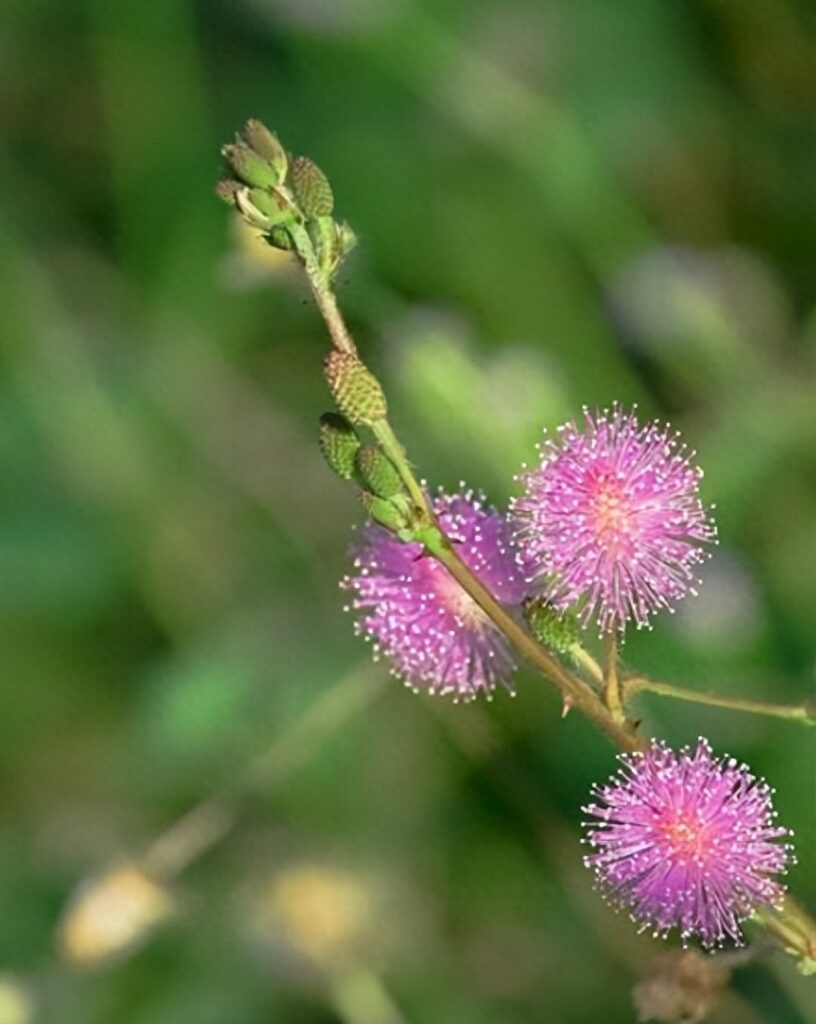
[(685, 840), (436, 636), (611, 519)]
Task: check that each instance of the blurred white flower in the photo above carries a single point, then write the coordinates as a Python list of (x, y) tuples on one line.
[(16, 1001), (110, 915)]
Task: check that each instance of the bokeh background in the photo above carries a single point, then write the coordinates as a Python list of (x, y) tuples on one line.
[(559, 203)]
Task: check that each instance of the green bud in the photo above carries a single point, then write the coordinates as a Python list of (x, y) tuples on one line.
[(385, 513), (280, 238), (354, 388), (275, 205), (249, 166), (377, 472), (556, 630), (251, 214), (311, 187), (267, 145), (339, 444)]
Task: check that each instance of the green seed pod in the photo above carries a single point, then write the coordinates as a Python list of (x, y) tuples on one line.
[(382, 511), (311, 187), (249, 166), (376, 472), (267, 145), (554, 629), (339, 444), (354, 388)]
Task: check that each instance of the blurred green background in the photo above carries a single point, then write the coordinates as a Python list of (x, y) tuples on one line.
[(559, 202)]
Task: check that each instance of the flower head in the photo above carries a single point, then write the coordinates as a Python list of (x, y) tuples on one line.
[(611, 518), (437, 637), (686, 840)]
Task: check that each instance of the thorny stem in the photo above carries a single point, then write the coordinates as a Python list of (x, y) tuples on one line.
[(804, 713), (572, 688)]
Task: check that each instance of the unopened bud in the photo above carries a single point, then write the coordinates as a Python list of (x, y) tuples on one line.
[(355, 389), (311, 187), (377, 472), (273, 204), (249, 211), (339, 444), (555, 629), (385, 512), (249, 166), (267, 145)]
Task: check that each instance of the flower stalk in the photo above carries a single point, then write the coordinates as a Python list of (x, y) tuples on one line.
[(612, 690)]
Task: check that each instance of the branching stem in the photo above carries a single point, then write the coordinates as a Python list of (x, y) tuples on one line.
[(804, 713)]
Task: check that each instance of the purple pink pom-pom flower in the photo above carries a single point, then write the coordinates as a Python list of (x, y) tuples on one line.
[(415, 613), (686, 840), (611, 519)]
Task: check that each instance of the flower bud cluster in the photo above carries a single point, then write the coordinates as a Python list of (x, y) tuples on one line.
[(382, 493), (280, 196)]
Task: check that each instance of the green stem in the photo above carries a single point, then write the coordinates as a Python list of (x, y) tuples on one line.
[(792, 926), (612, 692), (575, 690), (396, 453), (795, 712), (581, 656), (321, 290)]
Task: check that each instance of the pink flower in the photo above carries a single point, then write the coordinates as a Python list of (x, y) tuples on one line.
[(688, 841), (611, 519), (438, 639)]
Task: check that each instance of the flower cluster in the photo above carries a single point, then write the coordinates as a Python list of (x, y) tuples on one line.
[(610, 524), (685, 840), (438, 639), (609, 529), (611, 519)]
